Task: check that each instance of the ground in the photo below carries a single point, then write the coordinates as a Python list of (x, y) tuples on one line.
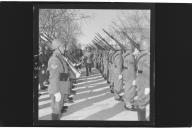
[(93, 101)]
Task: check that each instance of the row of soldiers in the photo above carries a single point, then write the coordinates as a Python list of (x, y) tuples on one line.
[(128, 71)]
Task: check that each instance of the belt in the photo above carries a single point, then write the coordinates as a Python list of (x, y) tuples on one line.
[(140, 71), (125, 67)]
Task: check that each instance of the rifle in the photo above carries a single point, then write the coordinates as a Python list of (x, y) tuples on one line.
[(122, 47), (97, 45), (101, 44), (132, 41), (106, 42)]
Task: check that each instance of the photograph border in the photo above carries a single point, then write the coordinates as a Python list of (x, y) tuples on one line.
[(94, 5)]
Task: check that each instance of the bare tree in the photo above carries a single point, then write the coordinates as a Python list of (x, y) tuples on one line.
[(135, 23), (60, 23)]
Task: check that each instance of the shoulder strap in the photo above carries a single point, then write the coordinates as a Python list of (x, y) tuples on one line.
[(144, 54), (61, 62)]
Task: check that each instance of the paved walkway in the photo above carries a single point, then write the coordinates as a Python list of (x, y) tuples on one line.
[(93, 101)]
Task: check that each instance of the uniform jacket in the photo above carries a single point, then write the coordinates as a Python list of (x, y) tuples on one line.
[(129, 72), (143, 79), (55, 67)]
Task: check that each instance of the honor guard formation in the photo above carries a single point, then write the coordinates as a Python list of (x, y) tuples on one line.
[(70, 85)]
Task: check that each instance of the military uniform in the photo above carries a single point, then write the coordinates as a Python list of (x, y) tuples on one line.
[(58, 82), (88, 62), (118, 67), (129, 74), (111, 73), (72, 78), (143, 83), (105, 64)]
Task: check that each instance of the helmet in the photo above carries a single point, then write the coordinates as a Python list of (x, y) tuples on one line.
[(145, 45), (57, 43)]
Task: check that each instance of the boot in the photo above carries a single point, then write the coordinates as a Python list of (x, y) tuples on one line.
[(70, 99), (129, 107), (73, 92), (141, 114), (64, 109), (55, 116), (118, 98)]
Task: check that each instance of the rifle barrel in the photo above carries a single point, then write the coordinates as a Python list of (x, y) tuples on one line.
[(115, 40)]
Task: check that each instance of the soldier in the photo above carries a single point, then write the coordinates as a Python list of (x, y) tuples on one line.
[(111, 68), (117, 75), (129, 74), (42, 69), (71, 79), (105, 65), (58, 79), (88, 61), (143, 81)]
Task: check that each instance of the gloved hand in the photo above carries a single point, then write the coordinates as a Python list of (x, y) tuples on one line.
[(57, 96), (147, 111), (147, 90), (136, 97), (43, 71), (120, 76), (134, 82)]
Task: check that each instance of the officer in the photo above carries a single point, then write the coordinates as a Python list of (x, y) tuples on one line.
[(117, 76), (58, 79), (129, 75), (143, 81), (88, 61)]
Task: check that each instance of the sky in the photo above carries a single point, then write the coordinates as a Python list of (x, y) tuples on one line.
[(99, 19)]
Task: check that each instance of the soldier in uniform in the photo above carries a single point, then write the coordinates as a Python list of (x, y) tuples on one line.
[(129, 75), (105, 64), (117, 75), (143, 81), (58, 79), (71, 80), (111, 68), (88, 61)]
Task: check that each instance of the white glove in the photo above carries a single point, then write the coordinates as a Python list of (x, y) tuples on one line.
[(147, 90), (57, 96), (43, 71), (136, 97), (120, 76), (134, 82), (147, 111)]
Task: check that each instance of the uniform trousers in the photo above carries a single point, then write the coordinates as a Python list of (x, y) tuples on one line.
[(57, 106)]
